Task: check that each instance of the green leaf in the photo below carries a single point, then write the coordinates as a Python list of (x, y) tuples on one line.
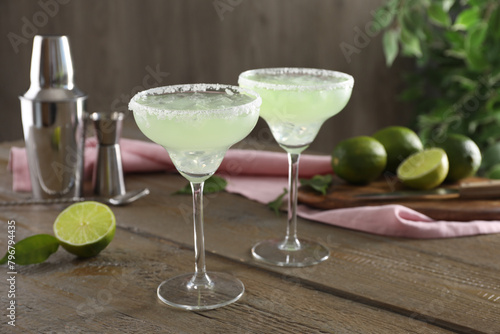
[(411, 93), (493, 105), (494, 78), (488, 134), (319, 183), (466, 19), (467, 83), (480, 3), (186, 190), (413, 20), (455, 38), (477, 36), (410, 43), (212, 185), (459, 54), (474, 46), (438, 15), (277, 203), (383, 16), (447, 4), (34, 249), (390, 44), (392, 5), (494, 23)]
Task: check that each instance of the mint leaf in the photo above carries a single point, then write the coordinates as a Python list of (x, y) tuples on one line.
[(184, 190), (276, 204), (320, 183), (212, 185), (34, 249)]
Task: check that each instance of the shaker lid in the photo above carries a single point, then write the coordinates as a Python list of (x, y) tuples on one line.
[(51, 71)]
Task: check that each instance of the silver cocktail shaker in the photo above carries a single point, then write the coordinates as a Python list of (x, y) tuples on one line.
[(54, 111)]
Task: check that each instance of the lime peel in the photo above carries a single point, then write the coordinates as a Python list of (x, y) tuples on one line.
[(399, 143), (463, 154), (359, 160)]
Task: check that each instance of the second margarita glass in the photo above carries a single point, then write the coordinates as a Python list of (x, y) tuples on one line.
[(295, 103)]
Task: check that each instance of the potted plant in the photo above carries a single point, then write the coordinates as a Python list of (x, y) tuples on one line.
[(455, 87)]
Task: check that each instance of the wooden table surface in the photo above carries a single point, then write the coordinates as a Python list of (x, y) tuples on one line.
[(370, 284)]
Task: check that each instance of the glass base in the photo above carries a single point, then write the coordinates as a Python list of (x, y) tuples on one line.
[(212, 291), (276, 253)]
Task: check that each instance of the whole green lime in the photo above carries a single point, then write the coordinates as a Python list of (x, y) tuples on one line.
[(463, 154), (359, 160), (494, 172), (399, 143), (490, 157)]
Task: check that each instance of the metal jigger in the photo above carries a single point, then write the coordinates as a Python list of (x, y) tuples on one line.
[(53, 113), (108, 171)]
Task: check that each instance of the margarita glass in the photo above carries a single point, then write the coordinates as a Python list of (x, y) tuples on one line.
[(295, 103), (196, 124)]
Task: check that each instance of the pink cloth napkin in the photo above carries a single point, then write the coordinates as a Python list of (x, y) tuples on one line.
[(391, 220), (140, 156), (262, 175)]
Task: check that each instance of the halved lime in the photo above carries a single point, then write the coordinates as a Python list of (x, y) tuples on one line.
[(86, 228), (424, 170)]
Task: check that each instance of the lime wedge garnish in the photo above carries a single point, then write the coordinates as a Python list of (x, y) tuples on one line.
[(424, 170), (85, 228)]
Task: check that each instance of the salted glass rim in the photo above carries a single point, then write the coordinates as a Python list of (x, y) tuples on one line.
[(347, 84), (245, 108)]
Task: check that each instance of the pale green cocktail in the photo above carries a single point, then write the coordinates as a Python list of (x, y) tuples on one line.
[(195, 127), (295, 103), (197, 124)]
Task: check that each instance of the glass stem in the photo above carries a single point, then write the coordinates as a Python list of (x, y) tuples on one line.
[(291, 242), (200, 277)]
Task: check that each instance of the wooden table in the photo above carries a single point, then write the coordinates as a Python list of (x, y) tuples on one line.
[(370, 284)]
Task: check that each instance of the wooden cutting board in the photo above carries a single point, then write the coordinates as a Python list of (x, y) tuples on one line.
[(341, 195)]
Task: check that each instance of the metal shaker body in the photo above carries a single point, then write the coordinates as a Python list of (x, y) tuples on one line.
[(54, 134), (54, 114)]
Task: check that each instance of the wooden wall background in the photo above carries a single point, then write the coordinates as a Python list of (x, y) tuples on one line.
[(116, 44)]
